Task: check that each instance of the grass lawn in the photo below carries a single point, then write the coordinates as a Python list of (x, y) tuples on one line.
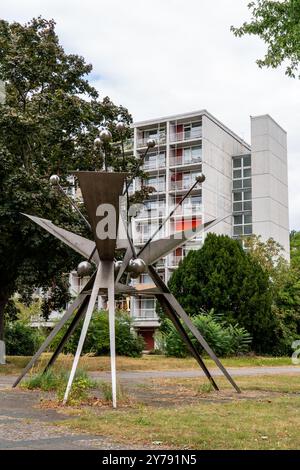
[(148, 362), (265, 416)]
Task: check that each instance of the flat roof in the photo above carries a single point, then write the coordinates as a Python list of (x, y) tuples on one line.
[(192, 114), (270, 117)]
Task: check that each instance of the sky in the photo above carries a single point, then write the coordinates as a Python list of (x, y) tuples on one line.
[(163, 57)]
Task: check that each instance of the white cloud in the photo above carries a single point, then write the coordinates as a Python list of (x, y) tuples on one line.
[(163, 57)]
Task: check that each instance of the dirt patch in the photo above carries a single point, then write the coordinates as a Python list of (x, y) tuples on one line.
[(163, 394)]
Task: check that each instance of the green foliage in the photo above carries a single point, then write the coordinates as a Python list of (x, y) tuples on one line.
[(295, 249), (128, 343), (106, 390), (57, 381), (47, 381), (224, 339), (205, 388), (277, 24), (285, 288), (223, 277), (80, 390), (22, 339), (48, 123)]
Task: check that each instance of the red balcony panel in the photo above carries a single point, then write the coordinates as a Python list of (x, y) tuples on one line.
[(183, 224)]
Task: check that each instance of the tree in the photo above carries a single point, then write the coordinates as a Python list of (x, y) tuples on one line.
[(278, 24), (48, 124), (223, 277), (284, 285), (97, 342), (295, 249)]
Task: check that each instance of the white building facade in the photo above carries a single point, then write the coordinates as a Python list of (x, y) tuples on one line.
[(248, 184)]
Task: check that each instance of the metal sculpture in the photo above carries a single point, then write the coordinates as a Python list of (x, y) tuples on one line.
[(102, 192)]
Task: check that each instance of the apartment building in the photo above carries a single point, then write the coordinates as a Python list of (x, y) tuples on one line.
[(246, 183)]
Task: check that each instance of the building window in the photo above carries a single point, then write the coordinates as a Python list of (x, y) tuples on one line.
[(246, 160), (248, 206), (238, 220), (247, 229), (237, 206), (247, 183), (237, 184), (237, 163), (237, 174), (238, 230), (242, 195), (237, 196)]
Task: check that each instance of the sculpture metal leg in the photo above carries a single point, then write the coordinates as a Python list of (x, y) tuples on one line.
[(183, 315), (77, 302), (112, 336), (176, 322), (186, 319), (78, 316), (86, 323)]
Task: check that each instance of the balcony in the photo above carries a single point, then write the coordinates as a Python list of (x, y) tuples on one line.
[(187, 210), (141, 236), (144, 314), (175, 260), (154, 165), (160, 264), (186, 135), (145, 317), (152, 213), (128, 145), (181, 161), (159, 139), (159, 187), (182, 185)]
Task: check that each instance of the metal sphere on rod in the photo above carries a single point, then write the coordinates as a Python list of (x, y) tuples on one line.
[(151, 143), (120, 126), (84, 268), (137, 266), (200, 178), (54, 180), (97, 143), (105, 135), (118, 265)]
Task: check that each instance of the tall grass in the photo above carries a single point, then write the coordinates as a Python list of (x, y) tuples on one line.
[(56, 381), (106, 390)]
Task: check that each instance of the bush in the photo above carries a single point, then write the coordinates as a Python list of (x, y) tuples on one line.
[(47, 381), (21, 339), (128, 343), (223, 277), (57, 381), (224, 339)]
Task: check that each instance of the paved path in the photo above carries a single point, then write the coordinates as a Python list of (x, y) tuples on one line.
[(23, 425), (235, 371), (6, 381)]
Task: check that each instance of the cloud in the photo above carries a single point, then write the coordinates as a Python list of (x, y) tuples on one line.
[(165, 57)]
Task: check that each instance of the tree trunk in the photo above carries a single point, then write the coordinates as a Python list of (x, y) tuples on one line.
[(3, 302)]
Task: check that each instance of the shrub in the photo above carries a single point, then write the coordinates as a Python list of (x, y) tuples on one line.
[(52, 380), (57, 381), (222, 276), (128, 343), (47, 381), (224, 339), (21, 339)]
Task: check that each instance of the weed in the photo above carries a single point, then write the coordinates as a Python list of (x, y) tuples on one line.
[(204, 388), (106, 391), (57, 381)]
